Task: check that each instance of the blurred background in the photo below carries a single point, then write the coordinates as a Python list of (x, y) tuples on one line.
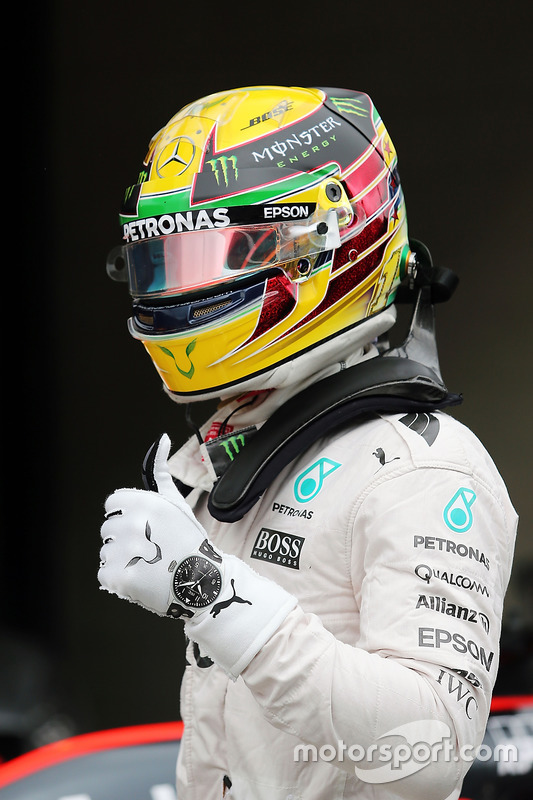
[(88, 87)]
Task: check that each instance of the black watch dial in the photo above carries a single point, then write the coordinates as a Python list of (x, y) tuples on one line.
[(197, 582)]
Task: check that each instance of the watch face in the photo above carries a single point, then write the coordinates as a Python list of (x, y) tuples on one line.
[(197, 582)]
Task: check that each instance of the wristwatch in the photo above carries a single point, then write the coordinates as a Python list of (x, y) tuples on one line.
[(197, 582)]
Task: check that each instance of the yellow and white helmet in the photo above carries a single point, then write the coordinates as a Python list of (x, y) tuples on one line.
[(265, 221)]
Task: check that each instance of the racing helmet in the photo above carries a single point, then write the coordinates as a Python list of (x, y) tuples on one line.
[(265, 221)]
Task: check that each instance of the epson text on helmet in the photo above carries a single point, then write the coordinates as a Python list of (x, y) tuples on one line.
[(286, 211)]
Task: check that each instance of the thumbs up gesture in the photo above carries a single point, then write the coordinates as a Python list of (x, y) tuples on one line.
[(156, 553), (146, 534)]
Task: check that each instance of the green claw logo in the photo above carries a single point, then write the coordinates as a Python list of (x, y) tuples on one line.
[(233, 445), (188, 350), (224, 162), (349, 105)]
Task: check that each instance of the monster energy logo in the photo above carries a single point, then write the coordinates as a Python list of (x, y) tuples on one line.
[(233, 445), (143, 176), (224, 449), (349, 105), (221, 167)]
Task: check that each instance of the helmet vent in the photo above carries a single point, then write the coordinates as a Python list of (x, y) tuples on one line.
[(204, 310)]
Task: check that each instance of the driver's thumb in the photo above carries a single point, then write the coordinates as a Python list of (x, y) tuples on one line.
[(156, 477)]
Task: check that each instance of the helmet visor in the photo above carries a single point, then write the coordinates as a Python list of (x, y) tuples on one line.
[(183, 261)]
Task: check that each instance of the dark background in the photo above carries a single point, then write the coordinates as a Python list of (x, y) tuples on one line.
[(89, 87)]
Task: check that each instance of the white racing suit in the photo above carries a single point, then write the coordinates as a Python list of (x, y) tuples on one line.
[(396, 535)]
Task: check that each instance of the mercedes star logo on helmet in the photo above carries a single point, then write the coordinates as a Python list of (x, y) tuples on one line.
[(175, 157)]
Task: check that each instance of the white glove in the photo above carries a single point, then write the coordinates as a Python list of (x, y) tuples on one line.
[(156, 554)]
